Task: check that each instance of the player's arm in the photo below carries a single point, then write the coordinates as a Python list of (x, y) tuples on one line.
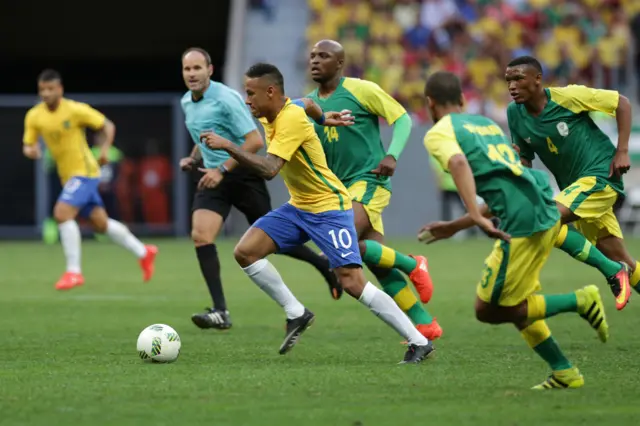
[(378, 102), (266, 167), (95, 120), (622, 162), (30, 147), (330, 118), (242, 126)]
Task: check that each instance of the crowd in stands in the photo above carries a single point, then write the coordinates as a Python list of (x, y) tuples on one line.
[(397, 43)]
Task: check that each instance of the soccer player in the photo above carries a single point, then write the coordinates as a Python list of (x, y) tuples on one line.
[(209, 105), (319, 210), (355, 154), (481, 160), (62, 122), (554, 123)]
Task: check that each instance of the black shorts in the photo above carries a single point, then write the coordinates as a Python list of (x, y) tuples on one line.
[(241, 189)]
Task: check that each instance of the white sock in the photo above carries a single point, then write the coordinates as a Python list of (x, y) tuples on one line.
[(383, 306), (266, 276), (70, 238), (120, 234)]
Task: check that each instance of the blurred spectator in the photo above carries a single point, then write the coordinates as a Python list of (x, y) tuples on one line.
[(397, 43)]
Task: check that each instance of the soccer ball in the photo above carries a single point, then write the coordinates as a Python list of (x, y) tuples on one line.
[(159, 343)]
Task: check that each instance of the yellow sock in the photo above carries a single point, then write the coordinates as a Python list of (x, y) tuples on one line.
[(635, 278), (536, 307)]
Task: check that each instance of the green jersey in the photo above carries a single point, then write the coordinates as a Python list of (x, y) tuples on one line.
[(352, 152), (520, 197), (565, 137)]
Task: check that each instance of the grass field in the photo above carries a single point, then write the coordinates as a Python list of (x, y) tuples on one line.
[(70, 358)]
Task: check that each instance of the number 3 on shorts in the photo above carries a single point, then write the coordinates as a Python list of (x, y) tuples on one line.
[(343, 237)]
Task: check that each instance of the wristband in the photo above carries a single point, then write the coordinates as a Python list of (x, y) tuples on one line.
[(223, 169), (320, 122)]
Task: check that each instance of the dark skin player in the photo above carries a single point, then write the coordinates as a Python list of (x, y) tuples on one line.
[(525, 87), (326, 62)]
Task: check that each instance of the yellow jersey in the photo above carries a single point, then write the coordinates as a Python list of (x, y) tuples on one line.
[(63, 131), (312, 185)]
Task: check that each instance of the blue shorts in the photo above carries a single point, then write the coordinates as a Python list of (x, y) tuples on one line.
[(333, 232), (82, 192)]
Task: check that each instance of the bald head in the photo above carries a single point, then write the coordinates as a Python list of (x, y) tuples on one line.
[(326, 61)]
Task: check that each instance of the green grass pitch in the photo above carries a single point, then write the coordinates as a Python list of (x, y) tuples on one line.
[(70, 358)]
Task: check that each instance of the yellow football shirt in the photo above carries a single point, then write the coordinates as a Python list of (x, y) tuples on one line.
[(63, 132), (312, 186)]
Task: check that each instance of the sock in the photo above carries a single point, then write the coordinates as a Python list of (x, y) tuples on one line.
[(121, 235), (210, 268), (385, 257), (576, 245), (635, 278), (385, 308), (540, 307), (70, 238), (266, 276), (305, 254), (538, 337), (395, 286)]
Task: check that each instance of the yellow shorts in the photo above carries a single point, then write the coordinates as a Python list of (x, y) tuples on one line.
[(592, 201), (512, 270), (374, 198)]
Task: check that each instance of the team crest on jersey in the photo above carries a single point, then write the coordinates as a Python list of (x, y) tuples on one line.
[(563, 129), (66, 124)]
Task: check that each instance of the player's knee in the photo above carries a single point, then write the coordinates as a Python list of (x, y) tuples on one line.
[(63, 212), (485, 313), (362, 246), (566, 215), (200, 237), (352, 279), (244, 255), (99, 226)]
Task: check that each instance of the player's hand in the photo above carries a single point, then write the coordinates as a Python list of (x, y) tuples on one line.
[(489, 228), (516, 148), (32, 152), (187, 163), (387, 167), (436, 231), (211, 178), (338, 119), (212, 140), (103, 159), (620, 165)]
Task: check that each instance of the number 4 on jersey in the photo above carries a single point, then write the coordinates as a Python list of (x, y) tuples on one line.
[(552, 148), (331, 133)]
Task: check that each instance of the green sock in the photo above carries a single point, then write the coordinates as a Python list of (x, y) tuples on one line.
[(558, 303), (551, 353), (395, 286), (378, 255), (577, 246)]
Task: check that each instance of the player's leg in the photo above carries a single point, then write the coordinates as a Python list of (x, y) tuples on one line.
[(393, 281), (121, 235), (369, 201), (252, 198), (65, 211), (588, 203), (334, 233), (507, 294), (210, 209), (276, 231)]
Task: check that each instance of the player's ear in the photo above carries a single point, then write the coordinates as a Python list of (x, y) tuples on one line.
[(430, 102), (463, 101), (210, 70)]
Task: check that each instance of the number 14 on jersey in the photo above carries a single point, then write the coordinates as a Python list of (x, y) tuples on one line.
[(332, 134)]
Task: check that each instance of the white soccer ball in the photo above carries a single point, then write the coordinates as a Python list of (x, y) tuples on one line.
[(159, 343)]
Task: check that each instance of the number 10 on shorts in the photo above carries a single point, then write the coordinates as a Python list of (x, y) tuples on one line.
[(343, 237)]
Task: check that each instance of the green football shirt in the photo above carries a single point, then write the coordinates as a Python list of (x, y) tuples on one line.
[(564, 136), (520, 197), (353, 151)]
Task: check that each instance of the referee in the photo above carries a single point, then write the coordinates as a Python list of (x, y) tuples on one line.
[(212, 106)]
